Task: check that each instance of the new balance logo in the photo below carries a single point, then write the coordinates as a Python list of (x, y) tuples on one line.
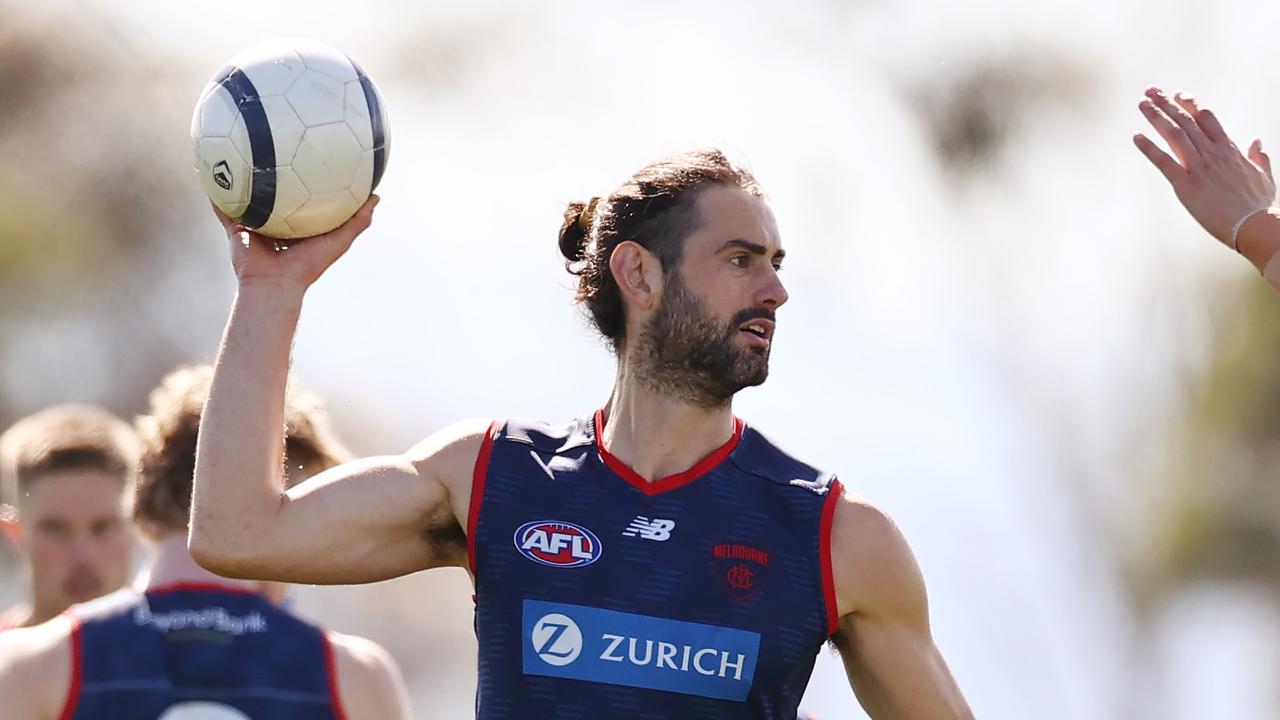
[(656, 529)]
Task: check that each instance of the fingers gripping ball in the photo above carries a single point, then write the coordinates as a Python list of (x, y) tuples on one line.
[(290, 138)]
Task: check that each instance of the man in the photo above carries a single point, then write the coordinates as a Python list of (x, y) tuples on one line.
[(66, 470), (1231, 194), (655, 559), (194, 645)]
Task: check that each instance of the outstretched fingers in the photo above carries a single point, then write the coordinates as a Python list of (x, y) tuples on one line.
[(1195, 136), (1204, 117), (1172, 170), (1172, 134)]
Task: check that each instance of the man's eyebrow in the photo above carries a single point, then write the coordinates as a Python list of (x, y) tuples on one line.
[(755, 248)]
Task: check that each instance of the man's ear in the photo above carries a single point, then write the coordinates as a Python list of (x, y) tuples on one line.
[(9, 525), (638, 274)]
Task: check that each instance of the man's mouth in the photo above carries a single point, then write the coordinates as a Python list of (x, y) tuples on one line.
[(759, 331), (82, 586)]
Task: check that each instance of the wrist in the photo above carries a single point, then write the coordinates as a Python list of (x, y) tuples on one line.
[(1259, 238), (275, 287)]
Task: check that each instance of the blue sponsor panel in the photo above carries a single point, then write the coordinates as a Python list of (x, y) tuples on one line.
[(617, 648)]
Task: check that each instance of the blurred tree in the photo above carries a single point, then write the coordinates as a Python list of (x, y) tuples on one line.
[(1219, 520), (92, 212)]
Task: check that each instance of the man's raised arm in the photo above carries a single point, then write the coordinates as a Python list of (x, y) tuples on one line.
[(363, 521)]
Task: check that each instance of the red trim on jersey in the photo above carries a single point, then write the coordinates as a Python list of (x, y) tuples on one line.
[(477, 491), (331, 667), (201, 587), (670, 482), (77, 662), (824, 552)]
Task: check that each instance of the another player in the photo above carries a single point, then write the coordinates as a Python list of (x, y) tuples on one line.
[(67, 470), (658, 558), (194, 645), (1230, 193)]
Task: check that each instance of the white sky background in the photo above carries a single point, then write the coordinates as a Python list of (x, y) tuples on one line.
[(979, 360)]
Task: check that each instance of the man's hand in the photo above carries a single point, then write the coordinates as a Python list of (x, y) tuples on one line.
[(262, 260), (1218, 184)]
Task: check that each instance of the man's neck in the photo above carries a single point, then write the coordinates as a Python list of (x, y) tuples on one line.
[(658, 436), (174, 565)]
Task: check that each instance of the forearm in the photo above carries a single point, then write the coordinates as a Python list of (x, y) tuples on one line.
[(239, 473)]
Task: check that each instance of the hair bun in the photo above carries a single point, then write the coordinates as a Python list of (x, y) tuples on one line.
[(576, 229)]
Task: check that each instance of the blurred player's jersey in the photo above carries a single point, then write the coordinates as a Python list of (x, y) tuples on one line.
[(198, 651), (599, 595)]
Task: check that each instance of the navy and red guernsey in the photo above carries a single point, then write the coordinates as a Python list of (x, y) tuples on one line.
[(197, 650), (706, 595)]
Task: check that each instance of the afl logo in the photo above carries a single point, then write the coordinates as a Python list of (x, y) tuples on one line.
[(557, 544)]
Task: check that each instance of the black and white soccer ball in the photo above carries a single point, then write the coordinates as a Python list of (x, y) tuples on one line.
[(290, 138)]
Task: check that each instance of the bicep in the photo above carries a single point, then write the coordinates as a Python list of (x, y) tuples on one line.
[(363, 521), (375, 518)]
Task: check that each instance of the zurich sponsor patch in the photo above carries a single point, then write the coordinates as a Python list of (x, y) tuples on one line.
[(617, 648), (557, 544)]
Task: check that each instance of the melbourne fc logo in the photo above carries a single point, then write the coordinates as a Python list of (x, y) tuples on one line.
[(742, 569), (557, 544)]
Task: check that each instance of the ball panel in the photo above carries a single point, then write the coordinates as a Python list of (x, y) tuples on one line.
[(355, 112), (290, 192), (323, 212), (327, 158), (326, 60), (262, 198), (224, 174), (216, 114), (208, 88), (271, 67), (378, 126), (316, 98), (362, 182), (240, 138), (278, 227), (286, 127)]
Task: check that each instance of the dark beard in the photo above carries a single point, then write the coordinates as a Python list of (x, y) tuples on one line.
[(685, 353)]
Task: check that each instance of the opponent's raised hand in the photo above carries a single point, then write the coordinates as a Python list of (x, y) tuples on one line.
[(1218, 184), (258, 259)]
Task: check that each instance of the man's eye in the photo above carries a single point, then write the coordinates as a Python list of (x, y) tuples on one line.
[(739, 260)]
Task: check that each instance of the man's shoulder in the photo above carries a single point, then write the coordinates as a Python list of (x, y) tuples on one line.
[(871, 558), (548, 437), (369, 680), (35, 662), (758, 454)]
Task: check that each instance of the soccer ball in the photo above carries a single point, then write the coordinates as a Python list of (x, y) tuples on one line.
[(290, 138)]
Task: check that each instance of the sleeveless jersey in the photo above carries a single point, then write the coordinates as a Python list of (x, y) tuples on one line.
[(705, 595), (197, 650)]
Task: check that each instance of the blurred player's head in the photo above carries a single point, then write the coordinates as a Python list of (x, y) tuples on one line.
[(168, 432), (678, 268), (68, 471)]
